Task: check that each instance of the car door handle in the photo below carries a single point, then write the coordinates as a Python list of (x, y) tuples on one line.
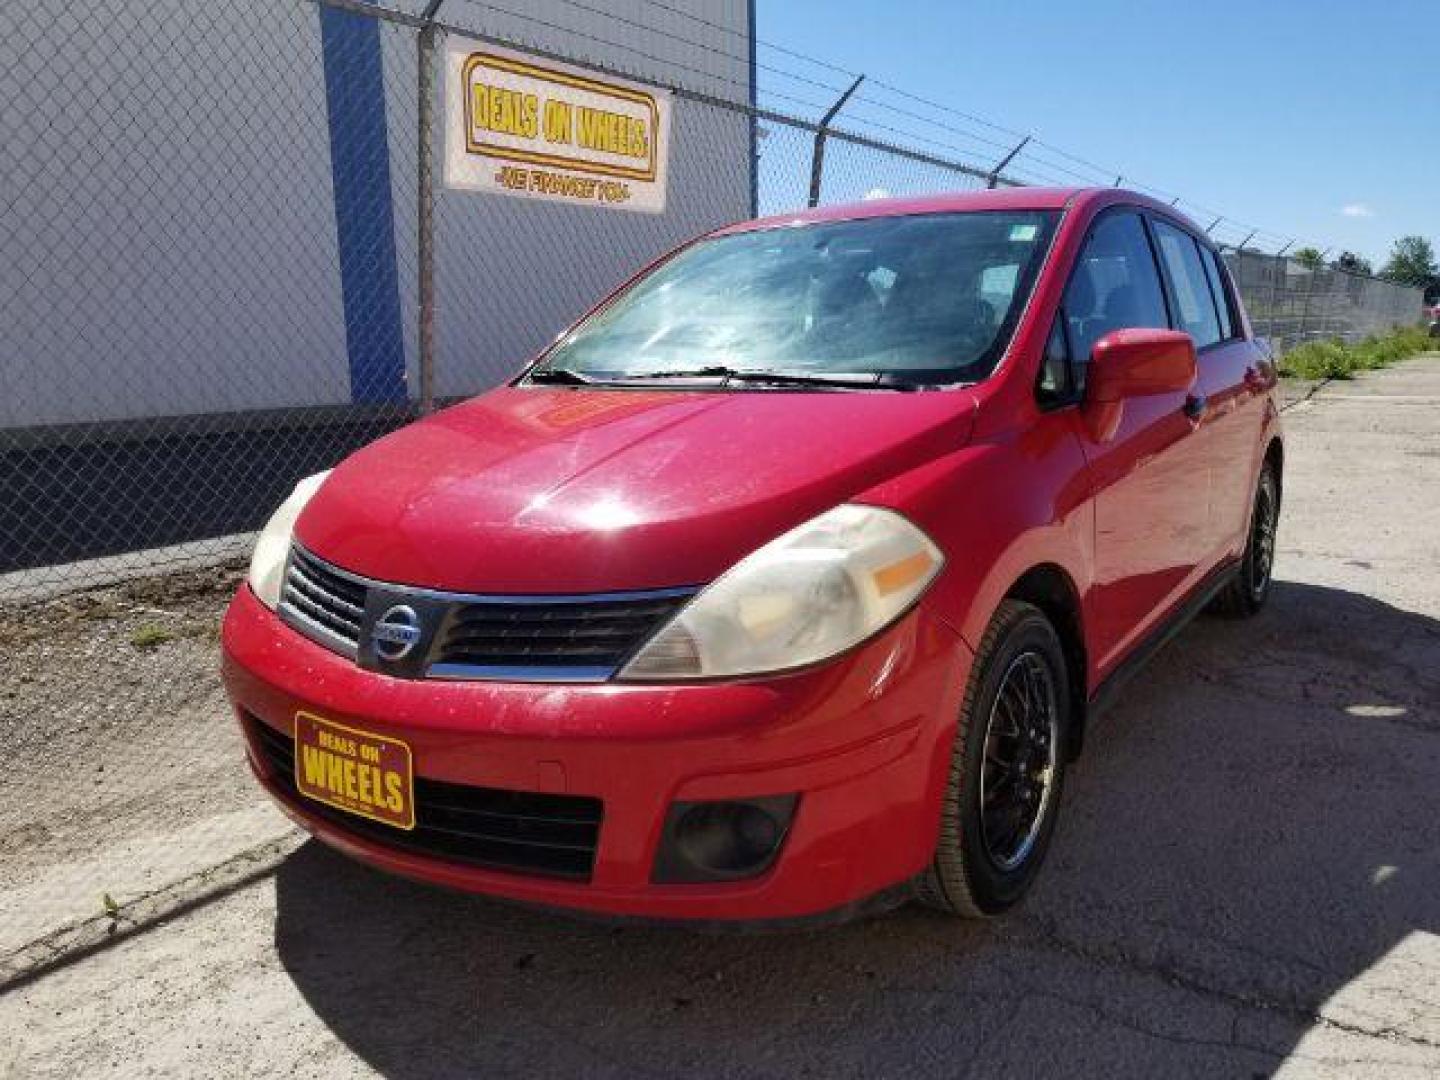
[(1195, 405)]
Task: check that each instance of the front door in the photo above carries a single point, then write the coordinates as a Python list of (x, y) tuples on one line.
[(1149, 479)]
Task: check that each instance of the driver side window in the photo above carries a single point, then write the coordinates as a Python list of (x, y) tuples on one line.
[(1113, 286)]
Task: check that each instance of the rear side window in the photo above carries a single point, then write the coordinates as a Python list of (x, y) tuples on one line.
[(1114, 285), (1216, 274), (1195, 306)]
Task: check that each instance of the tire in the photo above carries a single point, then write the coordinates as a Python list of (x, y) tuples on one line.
[(971, 875), (1247, 592)]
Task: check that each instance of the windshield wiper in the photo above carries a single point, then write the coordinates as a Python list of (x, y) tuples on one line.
[(564, 376), (714, 371), (722, 375), (858, 380), (863, 380)]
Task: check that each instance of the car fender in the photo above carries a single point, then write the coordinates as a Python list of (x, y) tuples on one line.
[(998, 509)]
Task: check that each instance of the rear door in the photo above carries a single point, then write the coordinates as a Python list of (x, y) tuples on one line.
[(1149, 481), (1232, 416)]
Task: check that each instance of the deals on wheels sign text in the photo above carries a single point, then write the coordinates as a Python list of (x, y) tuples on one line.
[(537, 129)]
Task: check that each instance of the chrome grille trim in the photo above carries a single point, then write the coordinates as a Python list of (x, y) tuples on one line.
[(503, 673), (315, 606), (318, 632), (421, 592), (309, 591)]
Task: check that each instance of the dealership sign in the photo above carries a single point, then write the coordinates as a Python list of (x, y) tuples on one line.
[(515, 125)]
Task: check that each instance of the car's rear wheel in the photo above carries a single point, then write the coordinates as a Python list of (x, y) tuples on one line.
[(1007, 768), (1250, 588)]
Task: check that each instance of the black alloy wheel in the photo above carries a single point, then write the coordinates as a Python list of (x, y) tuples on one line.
[(1021, 751), (1247, 592), (1007, 768)]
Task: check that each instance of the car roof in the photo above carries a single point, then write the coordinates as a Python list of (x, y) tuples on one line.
[(1015, 198)]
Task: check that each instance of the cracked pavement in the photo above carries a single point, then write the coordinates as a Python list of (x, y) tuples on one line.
[(1245, 882)]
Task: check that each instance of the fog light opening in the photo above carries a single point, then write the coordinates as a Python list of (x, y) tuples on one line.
[(722, 841)]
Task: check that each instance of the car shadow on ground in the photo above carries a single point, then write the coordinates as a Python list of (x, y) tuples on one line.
[(1251, 831)]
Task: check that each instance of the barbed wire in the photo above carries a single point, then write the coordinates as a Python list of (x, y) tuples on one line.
[(1035, 165)]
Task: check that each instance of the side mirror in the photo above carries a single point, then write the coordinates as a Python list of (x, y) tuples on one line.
[(1134, 363)]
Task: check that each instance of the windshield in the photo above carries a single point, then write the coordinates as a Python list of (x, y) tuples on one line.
[(927, 298)]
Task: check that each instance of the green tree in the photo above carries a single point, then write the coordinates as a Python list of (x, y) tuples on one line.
[(1412, 262), (1353, 264), (1310, 257)]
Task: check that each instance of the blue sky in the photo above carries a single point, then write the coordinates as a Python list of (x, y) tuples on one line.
[(1311, 118)]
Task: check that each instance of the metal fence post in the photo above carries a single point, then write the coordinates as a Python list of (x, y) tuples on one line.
[(817, 156), (994, 178), (425, 201), (1305, 309), (1279, 271)]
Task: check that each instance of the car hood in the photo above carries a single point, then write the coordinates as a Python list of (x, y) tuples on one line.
[(559, 490)]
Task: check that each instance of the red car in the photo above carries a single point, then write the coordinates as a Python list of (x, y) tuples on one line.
[(786, 583)]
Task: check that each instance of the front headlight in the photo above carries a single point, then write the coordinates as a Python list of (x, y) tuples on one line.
[(267, 565), (814, 592)]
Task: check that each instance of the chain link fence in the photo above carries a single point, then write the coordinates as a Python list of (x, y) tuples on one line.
[(212, 221), (1291, 302)]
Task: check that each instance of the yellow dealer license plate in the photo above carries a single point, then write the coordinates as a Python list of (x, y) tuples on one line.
[(356, 771)]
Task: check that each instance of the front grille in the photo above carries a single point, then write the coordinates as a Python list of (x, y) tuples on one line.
[(558, 638), (328, 605), (519, 831), (578, 635)]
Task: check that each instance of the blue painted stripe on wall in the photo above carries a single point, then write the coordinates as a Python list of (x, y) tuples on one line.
[(754, 122), (364, 214)]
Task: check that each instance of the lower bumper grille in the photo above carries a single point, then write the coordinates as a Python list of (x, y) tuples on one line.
[(524, 832)]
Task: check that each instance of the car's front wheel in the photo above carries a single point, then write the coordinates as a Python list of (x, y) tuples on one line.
[(1006, 769)]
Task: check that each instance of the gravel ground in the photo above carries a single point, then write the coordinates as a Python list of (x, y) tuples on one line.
[(122, 759), (1246, 880), (109, 660)]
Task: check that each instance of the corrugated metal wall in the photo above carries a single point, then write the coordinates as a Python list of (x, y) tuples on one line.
[(172, 239)]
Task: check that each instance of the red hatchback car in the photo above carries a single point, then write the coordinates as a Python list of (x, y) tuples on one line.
[(786, 582)]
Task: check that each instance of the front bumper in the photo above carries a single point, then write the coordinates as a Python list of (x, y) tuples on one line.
[(864, 741)]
